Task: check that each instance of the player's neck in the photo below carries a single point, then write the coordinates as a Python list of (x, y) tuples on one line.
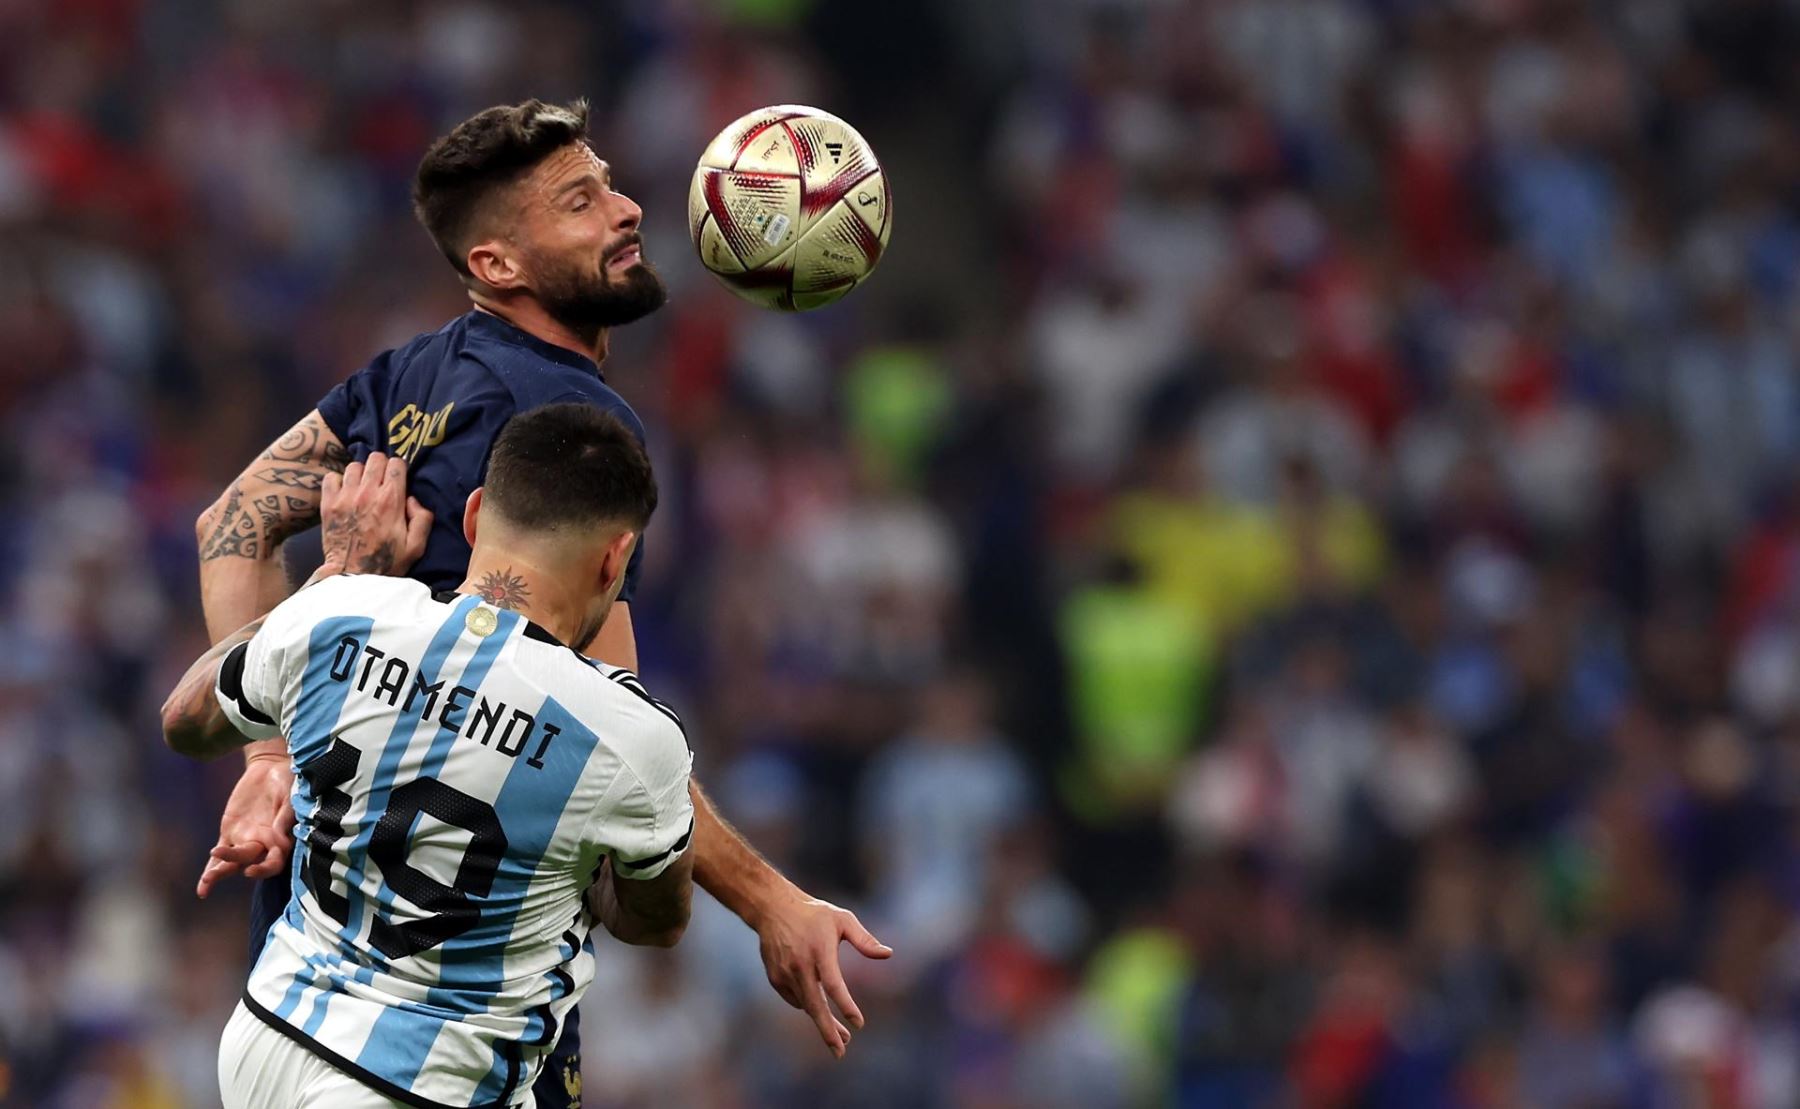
[(529, 316), (506, 580)]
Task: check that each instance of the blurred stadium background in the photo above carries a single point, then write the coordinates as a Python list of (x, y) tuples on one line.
[(1284, 588)]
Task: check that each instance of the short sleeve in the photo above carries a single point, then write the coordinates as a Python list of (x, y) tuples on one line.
[(257, 679), (352, 409), (652, 822), (250, 683)]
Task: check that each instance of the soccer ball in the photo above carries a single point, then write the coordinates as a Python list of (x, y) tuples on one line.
[(789, 208)]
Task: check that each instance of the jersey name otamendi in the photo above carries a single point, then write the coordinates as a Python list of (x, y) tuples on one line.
[(460, 776)]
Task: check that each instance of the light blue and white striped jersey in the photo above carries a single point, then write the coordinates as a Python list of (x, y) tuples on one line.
[(459, 778)]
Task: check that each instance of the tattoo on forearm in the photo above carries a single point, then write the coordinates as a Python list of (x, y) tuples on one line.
[(293, 477), (282, 520), (504, 589), (235, 534), (274, 512), (304, 442)]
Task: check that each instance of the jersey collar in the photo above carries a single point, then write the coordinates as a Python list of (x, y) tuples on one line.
[(499, 330), (533, 630)]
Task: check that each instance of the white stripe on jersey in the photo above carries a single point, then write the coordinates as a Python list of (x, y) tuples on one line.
[(455, 794)]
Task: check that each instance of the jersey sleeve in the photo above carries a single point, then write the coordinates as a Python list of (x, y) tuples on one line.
[(651, 823), (352, 410), (252, 678)]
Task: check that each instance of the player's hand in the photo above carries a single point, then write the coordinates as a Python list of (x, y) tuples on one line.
[(800, 953), (367, 522), (256, 832)]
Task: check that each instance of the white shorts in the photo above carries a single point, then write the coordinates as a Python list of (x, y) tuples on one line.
[(259, 1068)]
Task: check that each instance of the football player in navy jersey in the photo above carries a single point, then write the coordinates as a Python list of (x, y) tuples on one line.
[(551, 256)]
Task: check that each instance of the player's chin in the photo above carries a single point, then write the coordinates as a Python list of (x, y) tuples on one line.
[(640, 291)]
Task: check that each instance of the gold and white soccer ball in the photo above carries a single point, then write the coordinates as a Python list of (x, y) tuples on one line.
[(789, 208)]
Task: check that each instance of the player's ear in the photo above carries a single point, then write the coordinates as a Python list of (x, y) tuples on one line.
[(615, 561), (492, 264), (471, 509)]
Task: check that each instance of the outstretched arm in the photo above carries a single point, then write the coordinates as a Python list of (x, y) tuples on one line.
[(799, 933)]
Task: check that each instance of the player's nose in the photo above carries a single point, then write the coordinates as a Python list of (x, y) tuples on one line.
[(627, 215)]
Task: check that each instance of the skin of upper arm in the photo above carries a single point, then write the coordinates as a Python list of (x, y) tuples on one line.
[(275, 497), (662, 903), (193, 723)]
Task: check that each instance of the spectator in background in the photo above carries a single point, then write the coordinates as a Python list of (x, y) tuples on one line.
[(935, 806), (1350, 440)]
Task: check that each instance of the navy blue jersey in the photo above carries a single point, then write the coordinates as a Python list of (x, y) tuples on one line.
[(439, 402)]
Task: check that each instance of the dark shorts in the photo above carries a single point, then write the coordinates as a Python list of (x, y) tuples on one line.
[(558, 1084)]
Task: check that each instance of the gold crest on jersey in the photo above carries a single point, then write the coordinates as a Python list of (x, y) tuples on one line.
[(482, 620)]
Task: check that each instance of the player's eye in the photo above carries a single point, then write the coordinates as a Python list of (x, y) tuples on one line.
[(581, 204)]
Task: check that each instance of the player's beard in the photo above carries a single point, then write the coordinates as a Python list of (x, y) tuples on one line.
[(587, 302)]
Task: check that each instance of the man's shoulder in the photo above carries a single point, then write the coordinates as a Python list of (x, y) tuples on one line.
[(480, 351), (606, 699), (457, 345), (354, 595), (604, 397)]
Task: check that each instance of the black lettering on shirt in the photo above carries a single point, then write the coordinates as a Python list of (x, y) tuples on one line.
[(453, 707), (506, 746), (370, 654), (551, 731), (430, 692), (490, 714), (345, 660), (393, 680)]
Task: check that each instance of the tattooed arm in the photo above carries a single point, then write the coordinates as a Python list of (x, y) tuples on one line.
[(193, 722), (371, 527), (241, 578), (277, 495), (240, 535)]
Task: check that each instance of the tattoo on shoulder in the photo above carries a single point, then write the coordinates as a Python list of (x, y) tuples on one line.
[(270, 504), (503, 589)]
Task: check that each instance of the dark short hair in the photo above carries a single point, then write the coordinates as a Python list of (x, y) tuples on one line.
[(570, 465), (482, 155)]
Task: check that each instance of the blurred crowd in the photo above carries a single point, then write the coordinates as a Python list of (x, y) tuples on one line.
[(1283, 590)]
